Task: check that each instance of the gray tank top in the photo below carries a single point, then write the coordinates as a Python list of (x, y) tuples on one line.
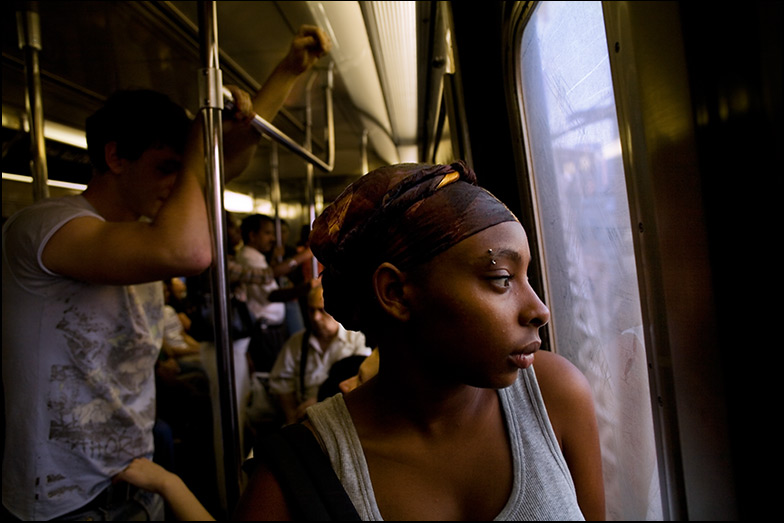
[(542, 488)]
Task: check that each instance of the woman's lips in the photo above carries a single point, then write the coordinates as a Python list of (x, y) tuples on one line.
[(522, 360), (525, 358)]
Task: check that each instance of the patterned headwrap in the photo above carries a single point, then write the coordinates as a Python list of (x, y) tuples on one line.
[(403, 214)]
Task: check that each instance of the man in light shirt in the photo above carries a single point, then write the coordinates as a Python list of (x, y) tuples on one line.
[(295, 383)]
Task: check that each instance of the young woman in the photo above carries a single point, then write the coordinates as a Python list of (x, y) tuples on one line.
[(466, 419)]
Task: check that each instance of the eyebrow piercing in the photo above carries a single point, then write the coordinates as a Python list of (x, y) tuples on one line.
[(490, 252)]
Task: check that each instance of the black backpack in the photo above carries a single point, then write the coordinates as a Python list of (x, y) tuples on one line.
[(312, 490)]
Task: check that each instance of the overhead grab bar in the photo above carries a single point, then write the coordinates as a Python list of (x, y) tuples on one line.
[(181, 24), (265, 127)]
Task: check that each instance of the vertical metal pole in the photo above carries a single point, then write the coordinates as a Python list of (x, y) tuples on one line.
[(275, 194), (211, 105), (309, 166), (330, 113), (363, 153), (29, 30)]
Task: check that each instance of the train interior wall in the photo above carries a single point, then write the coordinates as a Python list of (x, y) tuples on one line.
[(734, 58)]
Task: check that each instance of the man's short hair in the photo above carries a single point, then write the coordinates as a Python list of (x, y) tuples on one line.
[(137, 119), (253, 223)]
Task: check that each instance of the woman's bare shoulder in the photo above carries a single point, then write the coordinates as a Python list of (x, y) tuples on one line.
[(559, 377), (570, 407), (564, 388)]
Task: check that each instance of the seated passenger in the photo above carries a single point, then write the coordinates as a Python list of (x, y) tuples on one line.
[(367, 369), (348, 374), (464, 420), (341, 371), (177, 343), (294, 382)]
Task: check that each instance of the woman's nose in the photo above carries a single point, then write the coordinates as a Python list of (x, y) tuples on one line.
[(533, 311)]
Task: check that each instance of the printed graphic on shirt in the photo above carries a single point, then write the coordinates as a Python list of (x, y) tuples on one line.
[(102, 406)]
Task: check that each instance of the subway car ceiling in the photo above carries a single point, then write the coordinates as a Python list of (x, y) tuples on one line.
[(90, 49)]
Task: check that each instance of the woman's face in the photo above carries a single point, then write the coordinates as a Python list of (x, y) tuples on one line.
[(473, 310)]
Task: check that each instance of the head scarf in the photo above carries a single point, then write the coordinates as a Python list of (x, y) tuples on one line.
[(403, 214)]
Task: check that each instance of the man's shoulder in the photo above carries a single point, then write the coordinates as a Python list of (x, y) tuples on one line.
[(248, 255), (294, 342), (27, 229), (351, 337), (350, 343), (50, 209)]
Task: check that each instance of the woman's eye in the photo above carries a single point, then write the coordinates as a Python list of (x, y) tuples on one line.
[(501, 281)]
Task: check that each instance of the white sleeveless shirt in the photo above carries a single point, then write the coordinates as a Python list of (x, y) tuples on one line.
[(78, 370)]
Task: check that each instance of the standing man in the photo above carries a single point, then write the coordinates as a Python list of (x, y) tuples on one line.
[(83, 304), (294, 381), (266, 300)]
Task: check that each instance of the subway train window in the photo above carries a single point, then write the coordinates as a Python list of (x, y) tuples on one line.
[(577, 179)]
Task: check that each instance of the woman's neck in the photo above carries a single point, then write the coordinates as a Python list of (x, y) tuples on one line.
[(396, 398)]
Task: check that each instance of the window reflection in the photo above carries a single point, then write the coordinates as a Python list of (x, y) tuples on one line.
[(580, 191)]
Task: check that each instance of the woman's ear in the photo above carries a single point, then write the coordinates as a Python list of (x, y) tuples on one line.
[(388, 282), (113, 161)]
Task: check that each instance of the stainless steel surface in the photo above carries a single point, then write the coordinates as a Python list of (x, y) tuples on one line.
[(212, 105), (30, 42), (266, 128)]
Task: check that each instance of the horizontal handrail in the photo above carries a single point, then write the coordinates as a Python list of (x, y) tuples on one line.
[(265, 127), (180, 23)]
